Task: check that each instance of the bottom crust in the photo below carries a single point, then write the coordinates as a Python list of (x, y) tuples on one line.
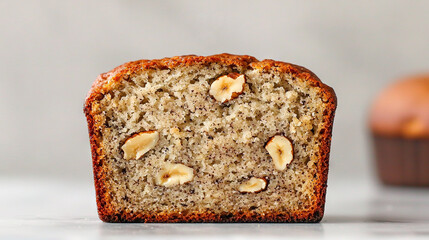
[(241, 217)]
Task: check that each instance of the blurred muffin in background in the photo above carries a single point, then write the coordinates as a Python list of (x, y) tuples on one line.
[(399, 122)]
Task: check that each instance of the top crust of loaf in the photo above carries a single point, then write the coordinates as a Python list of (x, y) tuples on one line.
[(108, 81)]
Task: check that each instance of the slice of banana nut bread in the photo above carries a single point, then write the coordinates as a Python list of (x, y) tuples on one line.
[(222, 138)]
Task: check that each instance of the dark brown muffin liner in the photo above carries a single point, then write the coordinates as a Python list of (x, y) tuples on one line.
[(402, 161)]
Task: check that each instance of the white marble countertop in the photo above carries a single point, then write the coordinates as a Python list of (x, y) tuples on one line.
[(61, 209)]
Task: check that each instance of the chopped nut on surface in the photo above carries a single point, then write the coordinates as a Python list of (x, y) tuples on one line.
[(139, 144), (253, 185), (281, 151), (174, 174), (228, 87)]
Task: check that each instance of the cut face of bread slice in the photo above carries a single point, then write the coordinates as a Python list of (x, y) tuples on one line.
[(222, 138)]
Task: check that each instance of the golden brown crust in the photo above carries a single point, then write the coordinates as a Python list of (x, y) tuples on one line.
[(107, 81), (209, 217), (402, 109)]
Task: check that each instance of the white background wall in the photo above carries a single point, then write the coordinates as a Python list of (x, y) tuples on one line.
[(51, 51)]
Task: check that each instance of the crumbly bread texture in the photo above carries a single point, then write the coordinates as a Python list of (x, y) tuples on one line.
[(209, 162)]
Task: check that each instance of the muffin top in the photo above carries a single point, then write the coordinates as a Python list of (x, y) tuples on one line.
[(402, 109)]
